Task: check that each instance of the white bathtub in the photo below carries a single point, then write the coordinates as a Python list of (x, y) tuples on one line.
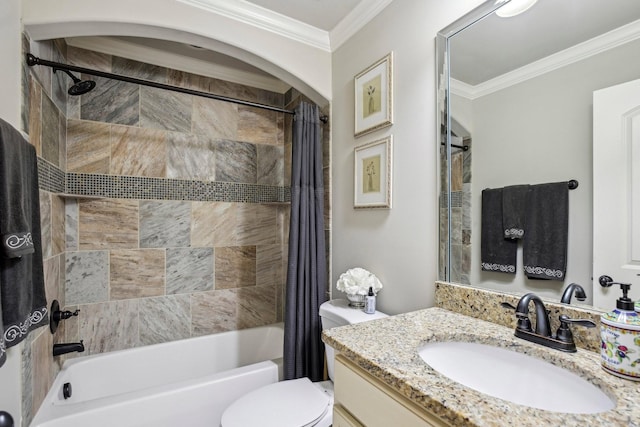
[(180, 383)]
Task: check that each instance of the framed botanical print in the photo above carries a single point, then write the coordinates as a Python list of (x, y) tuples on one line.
[(372, 174), (373, 97)]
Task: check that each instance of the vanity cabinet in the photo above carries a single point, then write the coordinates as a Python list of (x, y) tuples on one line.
[(364, 401)]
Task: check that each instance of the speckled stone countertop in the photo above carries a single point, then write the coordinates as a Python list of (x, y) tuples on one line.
[(388, 350)]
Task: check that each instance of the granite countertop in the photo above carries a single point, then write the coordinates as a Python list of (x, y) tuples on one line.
[(387, 349)]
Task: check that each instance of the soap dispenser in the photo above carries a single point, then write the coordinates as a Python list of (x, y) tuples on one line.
[(370, 302), (620, 335)]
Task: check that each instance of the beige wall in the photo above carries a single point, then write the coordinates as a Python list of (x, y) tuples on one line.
[(399, 245)]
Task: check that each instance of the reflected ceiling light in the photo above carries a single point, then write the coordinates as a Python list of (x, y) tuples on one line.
[(514, 7)]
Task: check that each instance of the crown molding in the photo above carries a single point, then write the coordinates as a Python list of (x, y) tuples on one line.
[(269, 20), (364, 12), (174, 61), (265, 19), (594, 46)]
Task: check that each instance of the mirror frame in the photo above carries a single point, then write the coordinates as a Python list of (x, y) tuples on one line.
[(443, 80)]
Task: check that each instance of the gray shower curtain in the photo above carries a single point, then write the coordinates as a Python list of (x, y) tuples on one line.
[(306, 272)]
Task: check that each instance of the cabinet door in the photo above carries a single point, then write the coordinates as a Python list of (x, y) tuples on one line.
[(373, 403), (342, 418)]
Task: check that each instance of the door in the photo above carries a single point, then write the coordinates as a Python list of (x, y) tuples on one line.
[(616, 190)]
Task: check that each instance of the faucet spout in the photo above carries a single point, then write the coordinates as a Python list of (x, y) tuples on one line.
[(543, 327), (573, 290), (60, 349)]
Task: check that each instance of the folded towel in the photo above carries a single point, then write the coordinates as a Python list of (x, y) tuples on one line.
[(23, 304), (514, 200), (497, 253), (547, 223)]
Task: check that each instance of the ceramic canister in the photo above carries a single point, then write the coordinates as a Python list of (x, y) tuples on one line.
[(620, 347)]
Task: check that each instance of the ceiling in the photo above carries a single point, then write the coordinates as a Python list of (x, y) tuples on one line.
[(322, 14), (495, 46)]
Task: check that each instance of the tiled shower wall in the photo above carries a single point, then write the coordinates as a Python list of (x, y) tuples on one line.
[(161, 268), (460, 213), (181, 229), (44, 120)]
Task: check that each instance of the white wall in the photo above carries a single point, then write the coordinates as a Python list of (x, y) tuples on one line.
[(541, 131), (10, 45), (399, 245), (10, 105)]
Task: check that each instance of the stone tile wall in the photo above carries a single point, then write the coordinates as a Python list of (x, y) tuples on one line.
[(178, 228), (44, 120), (460, 214), (150, 267)]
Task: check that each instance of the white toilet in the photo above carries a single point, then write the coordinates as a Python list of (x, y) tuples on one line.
[(296, 403)]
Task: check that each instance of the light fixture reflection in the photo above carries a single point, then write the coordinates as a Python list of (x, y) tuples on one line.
[(515, 7)]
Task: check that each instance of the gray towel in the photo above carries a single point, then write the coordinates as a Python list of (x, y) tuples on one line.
[(547, 223), (15, 175), (514, 200), (23, 304), (497, 253)]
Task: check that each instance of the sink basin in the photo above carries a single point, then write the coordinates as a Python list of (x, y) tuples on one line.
[(515, 377)]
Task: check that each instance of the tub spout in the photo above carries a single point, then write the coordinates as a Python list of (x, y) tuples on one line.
[(59, 349)]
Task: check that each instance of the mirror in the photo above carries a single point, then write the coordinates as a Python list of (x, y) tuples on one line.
[(517, 93)]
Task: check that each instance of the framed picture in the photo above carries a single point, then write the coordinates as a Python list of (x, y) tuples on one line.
[(372, 174), (373, 97)]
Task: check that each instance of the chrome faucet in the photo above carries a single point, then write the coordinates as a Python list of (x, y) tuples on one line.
[(563, 340), (60, 349), (573, 290)]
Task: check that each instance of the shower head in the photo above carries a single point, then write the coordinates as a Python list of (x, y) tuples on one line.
[(80, 87)]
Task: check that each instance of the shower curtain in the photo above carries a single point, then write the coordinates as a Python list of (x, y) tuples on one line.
[(306, 272)]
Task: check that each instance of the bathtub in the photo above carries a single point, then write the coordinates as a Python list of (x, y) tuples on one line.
[(181, 383)]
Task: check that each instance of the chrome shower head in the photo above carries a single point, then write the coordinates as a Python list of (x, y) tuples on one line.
[(80, 87)]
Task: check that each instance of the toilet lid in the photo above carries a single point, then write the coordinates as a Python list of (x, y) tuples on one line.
[(293, 403)]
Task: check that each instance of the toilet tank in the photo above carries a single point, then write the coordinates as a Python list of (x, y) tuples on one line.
[(338, 313)]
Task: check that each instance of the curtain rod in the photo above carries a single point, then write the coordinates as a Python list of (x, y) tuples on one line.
[(33, 60)]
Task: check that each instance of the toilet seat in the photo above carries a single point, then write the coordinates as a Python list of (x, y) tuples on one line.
[(292, 403)]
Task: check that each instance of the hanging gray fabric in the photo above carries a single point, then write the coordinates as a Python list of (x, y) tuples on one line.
[(23, 303), (306, 272)]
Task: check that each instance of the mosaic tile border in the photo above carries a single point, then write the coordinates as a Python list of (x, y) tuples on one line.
[(457, 199), (50, 177), (132, 187)]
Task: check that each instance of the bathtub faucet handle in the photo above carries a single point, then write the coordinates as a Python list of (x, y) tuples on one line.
[(62, 315), (58, 315)]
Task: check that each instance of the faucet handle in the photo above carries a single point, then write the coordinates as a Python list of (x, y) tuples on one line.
[(508, 305), (564, 332), (580, 322), (524, 324)]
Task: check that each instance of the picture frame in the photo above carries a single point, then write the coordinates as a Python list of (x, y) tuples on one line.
[(373, 174), (374, 96)]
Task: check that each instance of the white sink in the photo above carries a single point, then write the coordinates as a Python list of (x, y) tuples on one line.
[(515, 377)]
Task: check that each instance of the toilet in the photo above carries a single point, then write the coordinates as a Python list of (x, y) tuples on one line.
[(299, 402)]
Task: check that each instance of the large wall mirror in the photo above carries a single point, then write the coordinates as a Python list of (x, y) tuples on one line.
[(516, 107)]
